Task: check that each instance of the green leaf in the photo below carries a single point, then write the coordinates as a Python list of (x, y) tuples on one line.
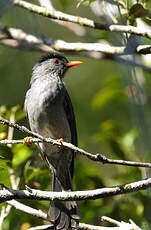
[(107, 95), (21, 154), (4, 173), (3, 164), (19, 114), (128, 140), (138, 11), (3, 110), (111, 92)]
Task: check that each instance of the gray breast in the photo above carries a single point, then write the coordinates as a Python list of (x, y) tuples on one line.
[(45, 110)]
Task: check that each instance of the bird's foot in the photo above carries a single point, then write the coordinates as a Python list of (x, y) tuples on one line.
[(27, 141), (60, 141)]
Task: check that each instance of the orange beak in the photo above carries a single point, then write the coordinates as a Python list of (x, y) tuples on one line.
[(74, 63)]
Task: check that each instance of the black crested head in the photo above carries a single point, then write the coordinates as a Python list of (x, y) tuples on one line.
[(52, 65), (52, 56)]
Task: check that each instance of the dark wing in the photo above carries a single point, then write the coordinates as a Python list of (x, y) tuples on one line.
[(72, 123)]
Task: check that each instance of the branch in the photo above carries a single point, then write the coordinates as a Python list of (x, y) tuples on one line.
[(127, 226), (122, 224), (58, 45), (42, 227), (4, 213), (96, 47), (41, 214), (131, 30), (27, 209), (95, 157), (17, 38), (59, 15), (95, 55), (80, 20), (7, 194)]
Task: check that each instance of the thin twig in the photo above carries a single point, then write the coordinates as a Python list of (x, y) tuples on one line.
[(4, 213), (120, 224), (110, 220), (95, 157), (14, 181), (27, 209)]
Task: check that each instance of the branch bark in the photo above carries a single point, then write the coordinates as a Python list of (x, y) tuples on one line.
[(80, 20), (17, 38), (95, 157), (27, 209), (59, 15), (7, 194), (41, 214)]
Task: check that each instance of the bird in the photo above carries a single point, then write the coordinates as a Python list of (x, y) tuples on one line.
[(50, 113)]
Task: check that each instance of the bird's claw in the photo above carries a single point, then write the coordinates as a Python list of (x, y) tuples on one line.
[(27, 141), (60, 141)]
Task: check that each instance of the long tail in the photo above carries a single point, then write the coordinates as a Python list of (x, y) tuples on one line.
[(63, 214)]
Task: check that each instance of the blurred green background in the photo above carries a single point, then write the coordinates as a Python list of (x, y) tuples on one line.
[(112, 109)]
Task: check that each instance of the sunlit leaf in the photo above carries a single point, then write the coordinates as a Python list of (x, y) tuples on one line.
[(128, 140), (20, 114), (21, 154), (3, 110), (3, 135), (25, 226), (111, 92), (106, 96), (4, 173)]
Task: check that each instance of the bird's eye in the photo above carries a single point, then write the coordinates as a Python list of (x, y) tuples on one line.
[(56, 61)]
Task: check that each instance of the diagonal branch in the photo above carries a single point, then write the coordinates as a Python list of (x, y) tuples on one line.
[(80, 20), (27, 209), (59, 45), (7, 194), (59, 15), (41, 214), (95, 157), (82, 226), (17, 38)]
